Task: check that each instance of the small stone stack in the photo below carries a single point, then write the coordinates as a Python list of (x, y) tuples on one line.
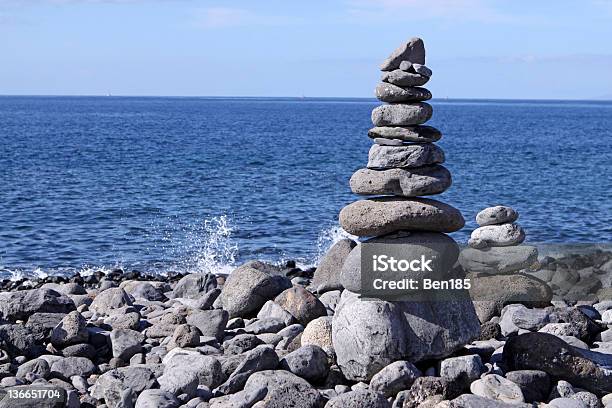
[(493, 258), (404, 164)]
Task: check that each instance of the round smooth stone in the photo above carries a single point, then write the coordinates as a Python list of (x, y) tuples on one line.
[(392, 93), (496, 260), (416, 155), (422, 69), (403, 78), (402, 114), (497, 236), (384, 215), (418, 134), (499, 214), (401, 182)]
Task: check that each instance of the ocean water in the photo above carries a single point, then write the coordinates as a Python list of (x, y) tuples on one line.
[(196, 184)]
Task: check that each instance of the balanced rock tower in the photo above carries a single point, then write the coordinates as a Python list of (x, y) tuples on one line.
[(404, 164), (494, 257)]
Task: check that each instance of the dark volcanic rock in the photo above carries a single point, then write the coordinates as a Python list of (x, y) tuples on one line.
[(548, 353), (20, 305)]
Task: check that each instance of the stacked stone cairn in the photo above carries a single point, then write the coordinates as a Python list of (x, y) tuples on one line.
[(494, 257), (403, 165)]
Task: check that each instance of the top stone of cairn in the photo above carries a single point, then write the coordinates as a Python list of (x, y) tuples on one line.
[(413, 50)]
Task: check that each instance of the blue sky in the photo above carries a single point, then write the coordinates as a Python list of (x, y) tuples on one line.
[(476, 48)]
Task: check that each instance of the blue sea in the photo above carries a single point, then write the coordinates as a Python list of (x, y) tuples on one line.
[(196, 184)]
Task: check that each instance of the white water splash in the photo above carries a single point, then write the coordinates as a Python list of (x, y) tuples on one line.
[(211, 247), (327, 238)]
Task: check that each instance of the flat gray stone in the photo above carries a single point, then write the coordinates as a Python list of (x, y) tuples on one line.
[(408, 156), (497, 260), (491, 293), (404, 182), (380, 216), (403, 78), (419, 134), (497, 236), (412, 50), (499, 214), (387, 92), (210, 322), (402, 114)]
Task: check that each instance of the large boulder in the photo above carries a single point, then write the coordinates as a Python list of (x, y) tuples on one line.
[(327, 274), (380, 216), (248, 288), (369, 335), (21, 304), (548, 353)]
